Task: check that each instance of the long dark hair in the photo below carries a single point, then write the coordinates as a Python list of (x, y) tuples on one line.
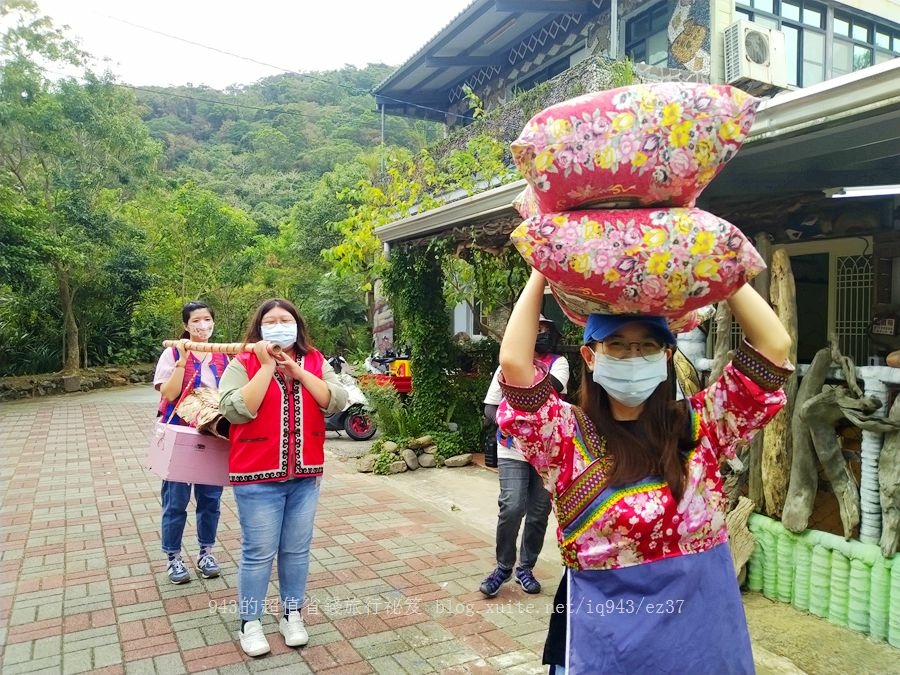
[(254, 330), (189, 309), (655, 444)]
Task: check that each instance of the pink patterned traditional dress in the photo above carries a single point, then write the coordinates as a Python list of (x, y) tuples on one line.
[(651, 584)]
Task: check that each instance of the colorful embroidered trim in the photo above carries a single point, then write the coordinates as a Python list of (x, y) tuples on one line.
[(593, 515), (594, 444), (695, 425), (527, 399), (581, 448), (582, 491), (759, 369)]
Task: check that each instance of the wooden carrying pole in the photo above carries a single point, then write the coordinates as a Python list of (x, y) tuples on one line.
[(230, 348)]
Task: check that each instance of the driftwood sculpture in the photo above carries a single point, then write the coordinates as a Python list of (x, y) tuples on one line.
[(820, 414), (740, 540), (889, 486), (776, 444), (804, 480), (888, 474), (818, 409)]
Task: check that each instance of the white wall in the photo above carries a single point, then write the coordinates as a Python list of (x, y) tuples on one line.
[(463, 320), (721, 16)]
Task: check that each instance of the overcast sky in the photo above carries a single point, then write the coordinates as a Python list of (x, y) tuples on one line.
[(295, 34)]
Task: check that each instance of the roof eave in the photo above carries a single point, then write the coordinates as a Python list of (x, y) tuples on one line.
[(874, 88)]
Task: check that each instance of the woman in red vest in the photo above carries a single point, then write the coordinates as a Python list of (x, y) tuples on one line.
[(277, 407), (177, 373)]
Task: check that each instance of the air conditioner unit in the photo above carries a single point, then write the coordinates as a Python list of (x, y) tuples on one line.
[(755, 57)]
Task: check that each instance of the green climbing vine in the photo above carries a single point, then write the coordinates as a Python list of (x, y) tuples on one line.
[(413, 283), (423, 280)]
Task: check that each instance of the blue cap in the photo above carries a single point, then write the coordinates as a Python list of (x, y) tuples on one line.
[(601, 326)]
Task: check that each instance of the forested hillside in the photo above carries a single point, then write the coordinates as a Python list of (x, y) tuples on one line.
[(263, 145), (117, 205)]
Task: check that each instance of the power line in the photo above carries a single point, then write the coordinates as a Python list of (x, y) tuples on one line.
[(358, 90)]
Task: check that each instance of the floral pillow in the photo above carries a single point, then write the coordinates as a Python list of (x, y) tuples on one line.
[(578, 308), (642, 145), (640, 261)]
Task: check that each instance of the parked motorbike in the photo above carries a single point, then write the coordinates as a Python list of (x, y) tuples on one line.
[(354, 419)]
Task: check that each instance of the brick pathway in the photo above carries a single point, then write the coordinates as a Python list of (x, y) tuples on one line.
[(83, 586)]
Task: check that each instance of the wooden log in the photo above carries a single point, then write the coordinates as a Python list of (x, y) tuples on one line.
[(804, 478), (734, 476), (820, 414), (763, 243), (754, 470), (777, 446), (230, 348), (722, 349)]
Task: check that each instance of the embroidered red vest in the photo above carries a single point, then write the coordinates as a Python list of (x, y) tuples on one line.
[(217, 364), (287, 438)]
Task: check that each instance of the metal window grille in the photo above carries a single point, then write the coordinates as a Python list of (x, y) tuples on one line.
[(853, 306), (736, 336)]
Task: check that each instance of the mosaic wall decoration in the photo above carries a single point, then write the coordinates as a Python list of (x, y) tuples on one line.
[(689, 39)]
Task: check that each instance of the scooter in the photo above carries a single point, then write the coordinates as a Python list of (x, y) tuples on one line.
[(354, 418)]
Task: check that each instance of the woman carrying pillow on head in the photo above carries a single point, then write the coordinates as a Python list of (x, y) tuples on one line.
[(277, 405), (634, 480)]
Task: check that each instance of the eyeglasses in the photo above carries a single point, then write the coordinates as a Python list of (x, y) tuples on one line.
[(275, 322), (622, 349)]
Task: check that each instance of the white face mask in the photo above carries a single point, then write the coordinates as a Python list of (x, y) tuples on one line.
[(282, 334), (202, 330), (630, 381)]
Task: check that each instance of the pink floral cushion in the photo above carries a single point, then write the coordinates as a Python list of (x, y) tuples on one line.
[(641, 261), (643, 145)]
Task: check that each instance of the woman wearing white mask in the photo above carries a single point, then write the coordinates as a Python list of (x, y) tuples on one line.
[(634, 480), (277, 407), (177, 373)]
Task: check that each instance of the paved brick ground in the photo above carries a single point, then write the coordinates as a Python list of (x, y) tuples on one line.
[(83, 586)]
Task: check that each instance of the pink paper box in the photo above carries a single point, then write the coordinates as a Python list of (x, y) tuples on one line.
[(181, 454)]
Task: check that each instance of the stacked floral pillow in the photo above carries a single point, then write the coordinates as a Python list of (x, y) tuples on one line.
[(612, 180)]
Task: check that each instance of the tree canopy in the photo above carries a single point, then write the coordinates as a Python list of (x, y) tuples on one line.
[(117, 205)]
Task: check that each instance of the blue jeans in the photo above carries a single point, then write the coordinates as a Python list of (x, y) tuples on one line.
[(276, 519), (522, 495), (175, 500)]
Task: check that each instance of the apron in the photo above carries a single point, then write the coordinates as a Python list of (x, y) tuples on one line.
[(681, 614)]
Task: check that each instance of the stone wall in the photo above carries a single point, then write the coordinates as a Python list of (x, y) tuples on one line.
[(30, 386)]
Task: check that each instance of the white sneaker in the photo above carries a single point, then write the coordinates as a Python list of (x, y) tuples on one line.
[(294, 631), (253, 640)]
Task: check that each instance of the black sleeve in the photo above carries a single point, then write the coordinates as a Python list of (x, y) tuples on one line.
[(556, 384), (555, 646), (490, 411)]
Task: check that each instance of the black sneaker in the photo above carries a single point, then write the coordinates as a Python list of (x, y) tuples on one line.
[(493, 581), (525, 578)]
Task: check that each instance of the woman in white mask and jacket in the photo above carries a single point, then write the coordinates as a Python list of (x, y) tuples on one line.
[(635, 484), (277, 406)]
